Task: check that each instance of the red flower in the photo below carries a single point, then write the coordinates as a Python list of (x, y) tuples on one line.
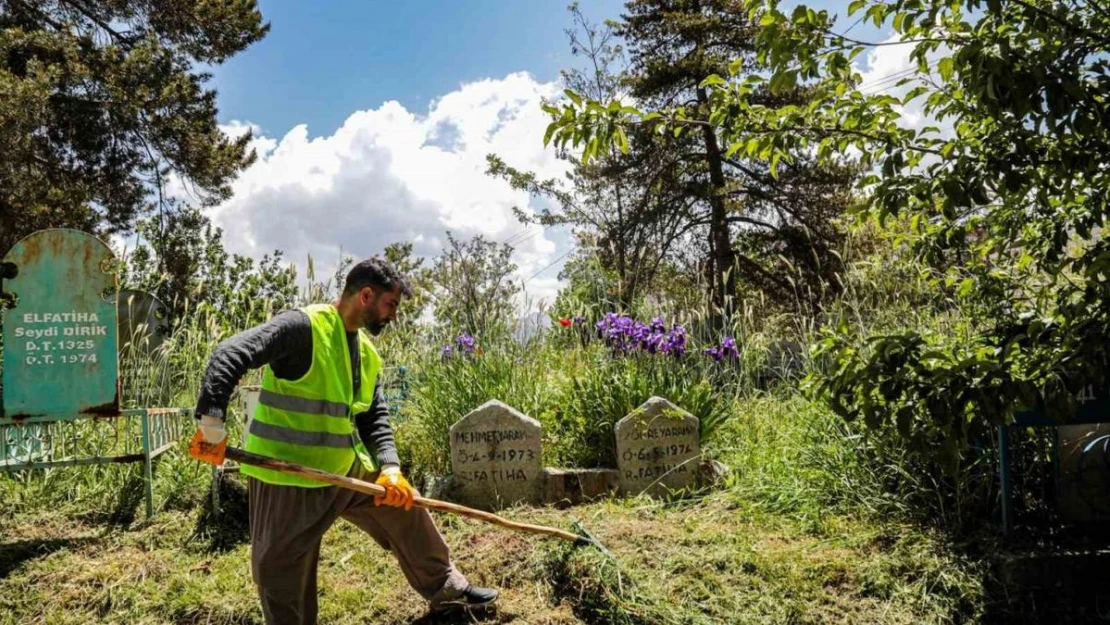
[(564, 322)]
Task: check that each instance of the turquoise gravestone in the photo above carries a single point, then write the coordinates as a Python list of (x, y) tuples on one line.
[(60, 338)]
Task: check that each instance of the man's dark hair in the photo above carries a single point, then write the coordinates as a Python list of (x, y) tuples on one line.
[(377, 273)]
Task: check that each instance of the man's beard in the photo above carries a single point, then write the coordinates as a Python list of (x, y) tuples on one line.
[(372, 324)]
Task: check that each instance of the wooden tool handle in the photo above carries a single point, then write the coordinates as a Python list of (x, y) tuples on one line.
[(246, 457)]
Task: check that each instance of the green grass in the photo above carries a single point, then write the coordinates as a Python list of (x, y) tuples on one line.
[(710, 561), (782, 540), (577, 396)]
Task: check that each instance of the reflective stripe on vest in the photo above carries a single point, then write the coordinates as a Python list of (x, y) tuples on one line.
[(299, 437), (301, 404)]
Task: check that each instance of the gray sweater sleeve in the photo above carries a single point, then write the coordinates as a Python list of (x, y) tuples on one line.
[(284, 342), (375, 431)]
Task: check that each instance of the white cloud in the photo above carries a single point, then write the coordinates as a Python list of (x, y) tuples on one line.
[(884, 68), (389, 174)]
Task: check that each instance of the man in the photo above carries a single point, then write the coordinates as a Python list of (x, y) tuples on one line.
[(319, 372)]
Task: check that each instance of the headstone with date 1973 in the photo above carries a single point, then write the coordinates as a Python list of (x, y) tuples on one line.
[(496, 456)]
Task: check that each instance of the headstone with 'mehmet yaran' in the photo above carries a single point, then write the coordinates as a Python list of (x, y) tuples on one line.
[(496, 457), (658, 449)]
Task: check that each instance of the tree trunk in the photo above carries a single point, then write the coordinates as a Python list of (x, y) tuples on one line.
[(622, 267), (720, 242)]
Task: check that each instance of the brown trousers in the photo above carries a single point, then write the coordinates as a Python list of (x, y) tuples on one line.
[(287, 524)]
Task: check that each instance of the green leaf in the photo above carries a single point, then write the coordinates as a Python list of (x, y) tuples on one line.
[(591, 149), (955, 191), (621, 139), (967, 285), (783, 81), (979, 194), (551, 128), (776, 80), (904, 421), (877, 13), (856, 5), (791, 79), (577, 99), (946, 68), (914, 93), (713, 80), (907, 23)]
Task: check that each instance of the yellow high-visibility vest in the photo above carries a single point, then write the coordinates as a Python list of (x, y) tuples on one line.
[(310, 421)]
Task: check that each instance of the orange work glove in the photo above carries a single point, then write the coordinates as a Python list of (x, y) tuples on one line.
[(209, 444), (399, 492)]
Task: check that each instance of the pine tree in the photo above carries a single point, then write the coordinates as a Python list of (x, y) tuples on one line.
[(101, 102), (753, 221)]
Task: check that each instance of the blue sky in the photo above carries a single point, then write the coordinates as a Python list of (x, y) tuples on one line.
[(322, 60)]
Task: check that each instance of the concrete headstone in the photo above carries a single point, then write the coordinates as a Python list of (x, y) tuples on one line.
[(496, 456), (658, 448), (144, 320)]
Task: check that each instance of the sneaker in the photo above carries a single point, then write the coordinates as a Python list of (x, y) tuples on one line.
[(473, 597)]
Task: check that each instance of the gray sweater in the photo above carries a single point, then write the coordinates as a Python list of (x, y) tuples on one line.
[(285, 343)]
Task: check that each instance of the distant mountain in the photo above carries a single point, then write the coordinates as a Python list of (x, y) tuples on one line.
[(531, 325)]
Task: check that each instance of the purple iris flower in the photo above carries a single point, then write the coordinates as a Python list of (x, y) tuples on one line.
[(465, 343), (623, 334), (729, 349), (726, 349), (676, 341)]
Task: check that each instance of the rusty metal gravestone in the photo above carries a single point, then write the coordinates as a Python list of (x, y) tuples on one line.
[(496, 457), (60, 339), (60, 404), (658, 448)]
